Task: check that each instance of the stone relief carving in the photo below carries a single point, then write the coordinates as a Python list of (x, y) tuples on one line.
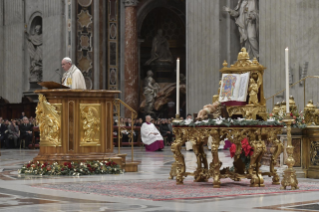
[(160, 49), (34, 44), (151, 88), (247, 19)]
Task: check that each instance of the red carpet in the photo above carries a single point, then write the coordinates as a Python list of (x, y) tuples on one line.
[(159, 190)]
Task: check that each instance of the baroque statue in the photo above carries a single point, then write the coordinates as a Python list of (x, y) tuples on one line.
[(247, 20), (160, 49), (151, 88), (254, 89), (34, 43)]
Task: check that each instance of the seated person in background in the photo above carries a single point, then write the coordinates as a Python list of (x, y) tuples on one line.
[(3, 129), (129, 122), (140, 122), (166, 131), (135, 122), (22, 115), (151, 137), (13, 134), (26, 131)]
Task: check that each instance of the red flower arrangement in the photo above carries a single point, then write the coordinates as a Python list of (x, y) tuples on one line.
[(245, 146), (246, 151)]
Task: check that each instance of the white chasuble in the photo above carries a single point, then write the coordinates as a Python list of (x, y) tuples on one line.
[(147, 131), (73, 78)]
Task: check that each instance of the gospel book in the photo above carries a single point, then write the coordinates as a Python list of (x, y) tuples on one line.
[(234, 87)]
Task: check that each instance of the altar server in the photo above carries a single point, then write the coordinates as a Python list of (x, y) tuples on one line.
[(151, 137), (72, 77)]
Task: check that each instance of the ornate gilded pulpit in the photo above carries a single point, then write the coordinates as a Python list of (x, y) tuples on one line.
[(77, 125)]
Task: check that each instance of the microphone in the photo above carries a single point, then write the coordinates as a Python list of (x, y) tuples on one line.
[(57, 71)]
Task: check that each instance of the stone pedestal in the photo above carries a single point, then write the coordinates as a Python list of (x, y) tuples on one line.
[(131, 56), (33, 86), (163, 71)]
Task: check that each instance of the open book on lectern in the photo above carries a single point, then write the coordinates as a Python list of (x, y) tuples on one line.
[(52, 85), (234, 87)]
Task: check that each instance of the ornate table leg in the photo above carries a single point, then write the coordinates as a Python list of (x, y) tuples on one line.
[(179, 164), (276, 150), (201, 174), (259, 150), (289, 177), (215, 164)]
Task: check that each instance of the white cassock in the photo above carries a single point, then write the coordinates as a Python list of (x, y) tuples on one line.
[(73, 78), (147, 137)]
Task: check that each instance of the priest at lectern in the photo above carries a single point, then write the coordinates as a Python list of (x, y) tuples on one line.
[(73, 77)]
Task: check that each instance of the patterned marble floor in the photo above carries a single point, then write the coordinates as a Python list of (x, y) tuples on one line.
[(18, 193)]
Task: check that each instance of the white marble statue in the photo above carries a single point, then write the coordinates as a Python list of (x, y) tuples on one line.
[(247, 19), (34, 43), (151, 88), (72, 77)]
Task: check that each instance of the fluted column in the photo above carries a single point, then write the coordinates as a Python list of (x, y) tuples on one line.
[(131, 56)]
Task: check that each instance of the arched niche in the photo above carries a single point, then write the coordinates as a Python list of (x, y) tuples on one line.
[(174, 31), (34, 68)]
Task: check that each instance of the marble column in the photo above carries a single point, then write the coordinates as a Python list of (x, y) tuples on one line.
[(131, 56)]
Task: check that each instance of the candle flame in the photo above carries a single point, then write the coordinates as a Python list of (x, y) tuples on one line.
[(287, 48), (178, 58)]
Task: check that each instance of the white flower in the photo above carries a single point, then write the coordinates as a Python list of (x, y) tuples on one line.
[(271, 119), (241, 119), (219, 122)]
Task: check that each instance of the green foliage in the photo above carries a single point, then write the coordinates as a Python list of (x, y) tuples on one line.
[(71, 168), (229, 123)]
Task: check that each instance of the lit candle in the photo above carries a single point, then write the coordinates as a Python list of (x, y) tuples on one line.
[(177, 86), (287, 79)]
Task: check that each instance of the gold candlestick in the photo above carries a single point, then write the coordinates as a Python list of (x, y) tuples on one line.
[(289, 176), (177, 119)]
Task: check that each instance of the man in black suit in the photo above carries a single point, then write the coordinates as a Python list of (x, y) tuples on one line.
[(3, 129), (26, 131)]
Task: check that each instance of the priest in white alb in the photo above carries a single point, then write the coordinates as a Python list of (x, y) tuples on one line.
[(73, 77), (151, 137)]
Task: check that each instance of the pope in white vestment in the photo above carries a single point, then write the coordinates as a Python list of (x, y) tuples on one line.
[(151, 137), (73, 77)]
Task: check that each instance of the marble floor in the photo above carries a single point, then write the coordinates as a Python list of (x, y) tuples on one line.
[(19, 193)]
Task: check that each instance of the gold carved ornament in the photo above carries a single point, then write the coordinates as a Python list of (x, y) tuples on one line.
[(256, 101), (49, 120), (90, 125)]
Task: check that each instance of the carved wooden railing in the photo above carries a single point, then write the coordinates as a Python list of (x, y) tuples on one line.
[(117, 104)]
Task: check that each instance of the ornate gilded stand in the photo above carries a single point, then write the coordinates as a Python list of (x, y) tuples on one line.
[(199, 137), (289, 176)]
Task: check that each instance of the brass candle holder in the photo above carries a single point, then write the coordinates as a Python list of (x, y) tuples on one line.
[(177, 119), (289, 176)]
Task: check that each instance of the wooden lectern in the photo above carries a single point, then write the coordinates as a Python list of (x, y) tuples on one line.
[(77, 125)]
